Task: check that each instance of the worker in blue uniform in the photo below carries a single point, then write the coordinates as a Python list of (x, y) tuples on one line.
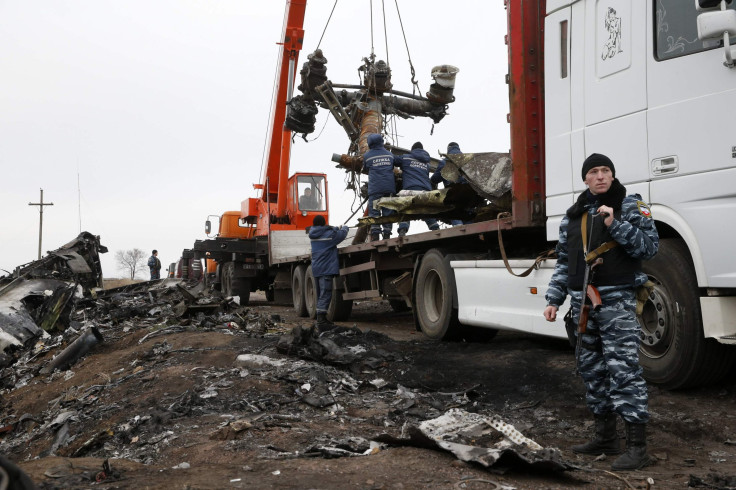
[(325, 265), (415, 179)]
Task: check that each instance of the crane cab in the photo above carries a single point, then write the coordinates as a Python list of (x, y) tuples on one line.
[(306, 197)]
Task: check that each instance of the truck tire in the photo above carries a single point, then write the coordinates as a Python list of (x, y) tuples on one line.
[(310, 293), (297, 290), (339, 309), (232, 286), (673, 352), (226, 278), (435, 284)]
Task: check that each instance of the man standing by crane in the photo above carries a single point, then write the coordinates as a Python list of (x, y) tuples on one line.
[(325, 266)]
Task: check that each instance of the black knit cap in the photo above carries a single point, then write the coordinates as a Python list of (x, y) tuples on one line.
[(451, 144), (319, 220), (597, 160), (416, 145)]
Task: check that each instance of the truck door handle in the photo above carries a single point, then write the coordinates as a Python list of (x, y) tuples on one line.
[(666, 165)]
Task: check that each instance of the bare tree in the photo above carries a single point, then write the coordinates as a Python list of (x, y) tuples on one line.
[(132, 261)]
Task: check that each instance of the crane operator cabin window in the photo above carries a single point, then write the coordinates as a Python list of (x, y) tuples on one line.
[(311, 193)]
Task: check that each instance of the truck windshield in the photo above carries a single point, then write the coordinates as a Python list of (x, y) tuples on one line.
[(311, 190), (677, 30)]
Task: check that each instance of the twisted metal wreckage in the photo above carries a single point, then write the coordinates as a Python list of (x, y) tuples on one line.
[(361, 109), (40, 296)]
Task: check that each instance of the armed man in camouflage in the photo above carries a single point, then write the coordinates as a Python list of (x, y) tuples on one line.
[(609, 359)]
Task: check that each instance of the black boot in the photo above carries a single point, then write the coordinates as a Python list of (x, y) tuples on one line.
[(375, 237), (606, 438), (322, 323), (386, 236), (636, 455)]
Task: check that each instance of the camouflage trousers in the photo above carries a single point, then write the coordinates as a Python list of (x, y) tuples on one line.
[(609, 359)]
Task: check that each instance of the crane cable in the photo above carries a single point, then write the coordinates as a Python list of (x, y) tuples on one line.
[(372, 50), (385, 30), (326, 24), (414, 82)]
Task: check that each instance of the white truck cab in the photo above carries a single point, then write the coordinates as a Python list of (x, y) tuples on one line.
[(649, 83)]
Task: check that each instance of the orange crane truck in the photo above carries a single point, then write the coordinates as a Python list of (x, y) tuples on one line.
[(238, 257), (264, 247)]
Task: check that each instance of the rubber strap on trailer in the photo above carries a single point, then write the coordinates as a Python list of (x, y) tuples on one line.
[(549, 254)]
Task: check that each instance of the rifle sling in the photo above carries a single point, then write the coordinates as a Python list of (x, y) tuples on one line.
[(591, 256)]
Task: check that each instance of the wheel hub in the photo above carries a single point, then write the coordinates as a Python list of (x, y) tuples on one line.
[(656, 322), (433, 292)]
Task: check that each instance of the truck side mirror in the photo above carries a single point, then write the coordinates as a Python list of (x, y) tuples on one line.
[(712, 25), (721, 23), (207, 227), (708, 4)]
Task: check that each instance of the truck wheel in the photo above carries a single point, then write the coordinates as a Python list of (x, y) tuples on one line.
[(232, 286), (339, 308), (434, 286), (310, 293), (241, 289), (226, 278), (673, 351), (297, 290)]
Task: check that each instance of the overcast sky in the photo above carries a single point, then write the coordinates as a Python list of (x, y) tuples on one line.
[(141, 118)]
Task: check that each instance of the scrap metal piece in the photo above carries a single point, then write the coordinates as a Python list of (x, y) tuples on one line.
[(41, 294), (76, 350), (77, 261), (488, 173), (427, 202), (17, 325), (341, 116), (456, 429), (57, 305)]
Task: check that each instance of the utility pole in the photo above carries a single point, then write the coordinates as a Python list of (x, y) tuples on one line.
[(40, 205)]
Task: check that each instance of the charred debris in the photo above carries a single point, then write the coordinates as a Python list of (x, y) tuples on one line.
[(54, 313)]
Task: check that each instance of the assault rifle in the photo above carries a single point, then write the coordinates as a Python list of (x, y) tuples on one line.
[(590, 292)]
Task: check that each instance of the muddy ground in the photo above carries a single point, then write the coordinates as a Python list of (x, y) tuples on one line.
[(173, 407)]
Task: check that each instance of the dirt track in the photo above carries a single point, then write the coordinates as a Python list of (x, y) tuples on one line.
[(178, 410)]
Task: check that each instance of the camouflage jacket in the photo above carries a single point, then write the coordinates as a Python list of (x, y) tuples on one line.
[(635, 232)]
